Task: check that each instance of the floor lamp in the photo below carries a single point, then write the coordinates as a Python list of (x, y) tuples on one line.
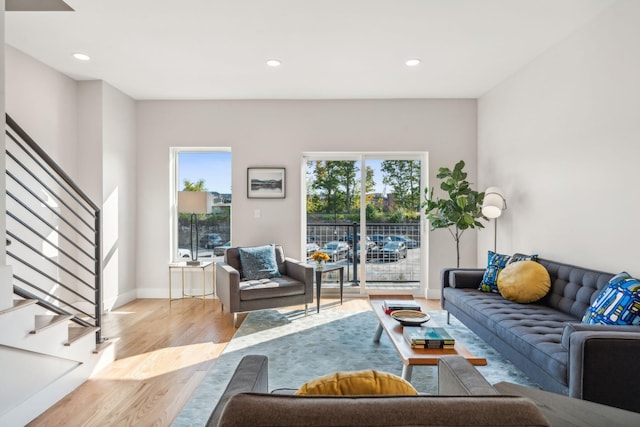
[(492, 206), (193, 202)]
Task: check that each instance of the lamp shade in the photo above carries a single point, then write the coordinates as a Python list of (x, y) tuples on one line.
[(493, 203), (192, 202)]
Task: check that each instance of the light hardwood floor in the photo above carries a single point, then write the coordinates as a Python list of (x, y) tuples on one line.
[(162, 353)]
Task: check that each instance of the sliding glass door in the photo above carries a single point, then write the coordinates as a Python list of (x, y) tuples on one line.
[(363, 210)]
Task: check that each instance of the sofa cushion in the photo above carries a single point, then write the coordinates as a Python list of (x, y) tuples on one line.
[(367, 382), (495, 263), (264, 288), (573, 289), (524, 281), (617, 304), (259, 262), (532, 330)]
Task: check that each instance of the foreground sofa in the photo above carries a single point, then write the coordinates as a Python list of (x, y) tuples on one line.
[(470, 401), (546, 339)]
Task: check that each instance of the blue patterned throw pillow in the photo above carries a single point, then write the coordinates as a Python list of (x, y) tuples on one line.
[(258, 262), (495, 263), (522, 257), (617, 304)]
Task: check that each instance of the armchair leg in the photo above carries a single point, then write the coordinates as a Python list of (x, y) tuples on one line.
[(448, 318), (235, 320), (306, 308)]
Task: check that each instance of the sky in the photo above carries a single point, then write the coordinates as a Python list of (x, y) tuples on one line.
[(215, 168), (212, 166)]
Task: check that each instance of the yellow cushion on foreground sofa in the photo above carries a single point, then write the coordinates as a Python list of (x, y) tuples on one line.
[(524, 281), (357, 383)]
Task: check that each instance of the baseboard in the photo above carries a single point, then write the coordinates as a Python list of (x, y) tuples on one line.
[(155, 293), (120, 300)]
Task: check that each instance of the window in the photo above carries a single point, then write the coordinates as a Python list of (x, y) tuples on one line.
[(371, 201), (206, 170)]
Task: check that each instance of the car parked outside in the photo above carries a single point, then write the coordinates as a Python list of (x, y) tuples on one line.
[(380, 239), (393, 251), (210, 241), (312, 248), (336, 250), (359, 239), (186, 253), (370, 248), (410, 243), (220, 250)]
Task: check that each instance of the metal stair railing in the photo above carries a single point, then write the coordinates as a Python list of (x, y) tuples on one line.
[(54, 229)]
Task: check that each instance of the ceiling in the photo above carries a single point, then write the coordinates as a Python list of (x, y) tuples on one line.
[(330, 49)]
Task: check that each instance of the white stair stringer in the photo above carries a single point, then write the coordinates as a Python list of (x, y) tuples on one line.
[(28, 373), (37, 401), (42, 357), (17, 326)]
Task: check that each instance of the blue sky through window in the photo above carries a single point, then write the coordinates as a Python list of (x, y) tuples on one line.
[(212, 166)]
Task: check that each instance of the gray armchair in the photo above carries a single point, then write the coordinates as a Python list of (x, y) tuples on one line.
[(294, 286)]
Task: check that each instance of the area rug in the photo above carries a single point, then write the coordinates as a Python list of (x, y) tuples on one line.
[(301, 348)]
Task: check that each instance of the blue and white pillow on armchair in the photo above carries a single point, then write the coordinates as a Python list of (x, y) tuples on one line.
[(259, 262)]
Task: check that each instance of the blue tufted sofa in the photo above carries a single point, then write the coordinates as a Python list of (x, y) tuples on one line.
[(546, 340)]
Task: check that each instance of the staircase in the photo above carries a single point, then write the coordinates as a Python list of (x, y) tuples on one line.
[(50, 291)]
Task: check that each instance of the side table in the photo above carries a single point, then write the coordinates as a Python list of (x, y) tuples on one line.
[(182, 265), (327, 269)]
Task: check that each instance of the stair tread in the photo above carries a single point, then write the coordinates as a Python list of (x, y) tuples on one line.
[(77, 332), (44, 322), (104, 345), (18, 304)]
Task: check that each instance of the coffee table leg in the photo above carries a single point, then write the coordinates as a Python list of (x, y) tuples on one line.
[(376, 337), (406, 372)]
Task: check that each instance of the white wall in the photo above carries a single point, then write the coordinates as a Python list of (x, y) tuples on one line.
[(562, 137), (119, 196), (43, 103), (276, 133), (88, 128), (107, 165), (3, 188)]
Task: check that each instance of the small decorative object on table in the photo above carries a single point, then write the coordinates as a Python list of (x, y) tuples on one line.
[(320, 258), (410, 317), (391, 305), (425, 337)]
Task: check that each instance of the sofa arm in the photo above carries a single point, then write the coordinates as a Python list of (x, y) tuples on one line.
[(251, 376), (228, 286), (603, 367), (302, 272), (461, 277), (570, 328), (458, 377)]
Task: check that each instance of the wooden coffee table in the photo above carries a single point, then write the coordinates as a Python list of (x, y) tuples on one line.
[(413, 356)]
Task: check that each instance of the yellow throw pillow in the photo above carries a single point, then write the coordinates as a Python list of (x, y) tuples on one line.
[(357, 383), (524, 281)]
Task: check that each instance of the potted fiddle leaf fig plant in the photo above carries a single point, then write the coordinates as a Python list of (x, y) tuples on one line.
[(460, 210)]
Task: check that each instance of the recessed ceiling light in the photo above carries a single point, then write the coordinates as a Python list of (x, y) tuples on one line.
[(81, 56), (274, 62), (412, 62)]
